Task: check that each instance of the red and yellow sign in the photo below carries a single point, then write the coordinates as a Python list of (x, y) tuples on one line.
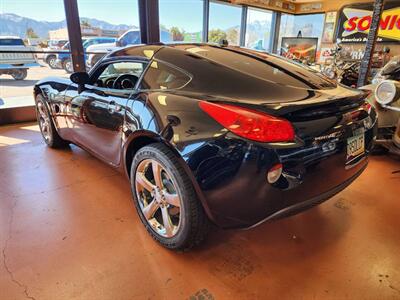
[(357, 22)]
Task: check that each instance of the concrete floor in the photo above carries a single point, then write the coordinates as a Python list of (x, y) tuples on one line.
[(68, 230)]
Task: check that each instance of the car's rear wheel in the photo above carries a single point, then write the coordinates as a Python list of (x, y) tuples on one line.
[(68, 67), (46, 125), (165, 199), (52, 61), (19, 74)]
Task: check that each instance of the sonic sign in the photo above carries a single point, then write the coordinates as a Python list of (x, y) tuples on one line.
[(355, 21)]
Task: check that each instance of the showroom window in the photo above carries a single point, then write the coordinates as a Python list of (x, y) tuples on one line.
[(181, 21), (108, 22), (224, 23), (309, 25), (259, 29), (34, 26)]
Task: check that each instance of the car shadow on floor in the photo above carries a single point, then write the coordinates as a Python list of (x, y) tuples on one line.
[(308, 232)]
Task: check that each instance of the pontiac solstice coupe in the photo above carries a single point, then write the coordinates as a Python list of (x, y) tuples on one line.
[(211, 134)]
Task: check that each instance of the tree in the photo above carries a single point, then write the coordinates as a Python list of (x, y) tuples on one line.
[(177, 34), (85, 23), (31, 34), (216, 35), (232, 35)]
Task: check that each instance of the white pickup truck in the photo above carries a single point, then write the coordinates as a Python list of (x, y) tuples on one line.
[(14, 63), (130, 37)]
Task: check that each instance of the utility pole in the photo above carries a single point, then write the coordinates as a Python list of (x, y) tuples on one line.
[(149, 21), (74, 35)]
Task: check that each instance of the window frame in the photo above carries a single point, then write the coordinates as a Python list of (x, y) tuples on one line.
[(279, 34), (242, 12), (272, 29)]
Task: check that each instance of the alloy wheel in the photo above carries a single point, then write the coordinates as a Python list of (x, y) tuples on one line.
[(158, 198), (52, 63), (44, 122), (68, 66)]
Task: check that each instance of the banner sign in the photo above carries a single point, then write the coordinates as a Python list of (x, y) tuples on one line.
[(355, 22)]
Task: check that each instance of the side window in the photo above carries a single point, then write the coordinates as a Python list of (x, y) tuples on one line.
[(162, 76), (120, 75)]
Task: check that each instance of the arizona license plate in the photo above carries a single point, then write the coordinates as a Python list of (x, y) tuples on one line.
[(355, 146)]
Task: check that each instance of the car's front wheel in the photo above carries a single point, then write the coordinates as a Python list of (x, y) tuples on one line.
[(68, 67), (165, 199), (46, 125), (52, 61)]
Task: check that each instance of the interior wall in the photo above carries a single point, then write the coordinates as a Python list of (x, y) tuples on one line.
[(330, 5)]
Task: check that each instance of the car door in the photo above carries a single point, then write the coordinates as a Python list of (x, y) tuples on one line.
[(96, 115)]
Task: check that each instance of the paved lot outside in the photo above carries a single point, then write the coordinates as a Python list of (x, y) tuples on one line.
[(17, 92)]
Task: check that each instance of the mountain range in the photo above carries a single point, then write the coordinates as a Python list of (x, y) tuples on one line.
[(12, 24)]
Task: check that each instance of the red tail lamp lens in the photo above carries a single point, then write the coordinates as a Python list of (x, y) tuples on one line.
[(250, 124)]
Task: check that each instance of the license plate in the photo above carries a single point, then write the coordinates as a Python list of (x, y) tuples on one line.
[(355, 146)]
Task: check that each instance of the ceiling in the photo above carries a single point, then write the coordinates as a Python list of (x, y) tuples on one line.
[(303, 1)]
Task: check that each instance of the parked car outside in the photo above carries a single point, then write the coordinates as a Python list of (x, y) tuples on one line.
[(50, 58), (16, 64), (130, 37), (64, 59), (268, 139)]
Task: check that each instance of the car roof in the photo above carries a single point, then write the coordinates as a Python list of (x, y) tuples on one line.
[(147, 51)]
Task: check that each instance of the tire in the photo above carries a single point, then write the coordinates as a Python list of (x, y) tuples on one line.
[(67, 66), (19, 74), (51, 61), (193, 224), (46, 125)]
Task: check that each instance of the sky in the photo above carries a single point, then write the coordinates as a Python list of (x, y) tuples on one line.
[(186, 14)]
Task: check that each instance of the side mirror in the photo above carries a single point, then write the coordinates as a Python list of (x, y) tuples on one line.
[(80, 78), (118, 43)]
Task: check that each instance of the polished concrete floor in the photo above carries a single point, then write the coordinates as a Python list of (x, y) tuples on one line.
[(68, 230)]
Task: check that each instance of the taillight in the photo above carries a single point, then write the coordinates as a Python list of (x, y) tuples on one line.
[(250, 124)]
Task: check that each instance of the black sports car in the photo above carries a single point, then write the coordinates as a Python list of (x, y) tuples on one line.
[(211, 134)]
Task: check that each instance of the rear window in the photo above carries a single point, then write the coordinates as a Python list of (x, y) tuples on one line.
[(161, 76), (265, 67), (11, 42)]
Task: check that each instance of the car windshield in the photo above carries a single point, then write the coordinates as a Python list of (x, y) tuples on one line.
[(11, 42)]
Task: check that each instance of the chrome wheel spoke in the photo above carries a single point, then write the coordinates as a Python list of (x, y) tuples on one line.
[(41, 110), (157, 169), (143, 182), (172, 199), (44, 121), (150, 209), (158, 197), (169, 227)]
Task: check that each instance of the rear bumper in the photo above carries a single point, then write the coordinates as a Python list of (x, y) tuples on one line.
[(230, 176), (302, 206)]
